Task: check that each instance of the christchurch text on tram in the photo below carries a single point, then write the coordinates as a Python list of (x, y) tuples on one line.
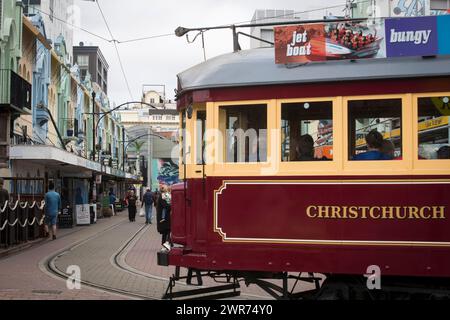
[(376, 212)]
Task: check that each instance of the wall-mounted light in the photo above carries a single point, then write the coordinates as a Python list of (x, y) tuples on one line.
[(189, 111), (306, 105)]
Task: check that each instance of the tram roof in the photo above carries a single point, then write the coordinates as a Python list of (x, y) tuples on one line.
[(257, 67)]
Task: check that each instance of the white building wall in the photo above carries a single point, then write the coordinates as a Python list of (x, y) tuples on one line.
[(62, 10), (268, 16)]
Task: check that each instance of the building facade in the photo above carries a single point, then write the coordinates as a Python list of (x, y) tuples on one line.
[(55, 126), (91, 60), (55, 14)]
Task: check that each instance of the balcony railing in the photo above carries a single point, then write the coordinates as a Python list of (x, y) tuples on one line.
[(15, 91)]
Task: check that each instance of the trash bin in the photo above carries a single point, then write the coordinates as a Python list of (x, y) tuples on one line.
[(93, 213)]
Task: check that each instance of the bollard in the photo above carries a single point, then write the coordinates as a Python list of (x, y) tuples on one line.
[(3, 225), (12, 237)]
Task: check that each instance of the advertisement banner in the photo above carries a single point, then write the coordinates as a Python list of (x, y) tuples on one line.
[(411, 37), (375, 38), (329, 41), (299, 44)]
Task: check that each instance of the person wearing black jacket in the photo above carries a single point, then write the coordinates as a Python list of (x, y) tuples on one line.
[(131, 201), (163, 227)]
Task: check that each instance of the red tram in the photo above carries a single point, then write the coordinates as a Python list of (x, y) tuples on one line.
[(253, 206)]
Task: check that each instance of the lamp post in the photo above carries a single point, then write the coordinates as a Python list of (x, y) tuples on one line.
[(135, 139), (93, 125)]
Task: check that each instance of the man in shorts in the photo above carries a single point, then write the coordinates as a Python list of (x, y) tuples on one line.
[(52, 207)]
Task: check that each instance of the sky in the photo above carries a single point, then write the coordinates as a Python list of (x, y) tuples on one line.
[(158, 61)]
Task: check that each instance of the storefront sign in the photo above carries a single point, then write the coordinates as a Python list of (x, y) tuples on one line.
[(98, 179)]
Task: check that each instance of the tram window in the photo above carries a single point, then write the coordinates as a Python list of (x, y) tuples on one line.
[(307, 131), (375, 129), (246, 132), (433, 128), (200, 126)]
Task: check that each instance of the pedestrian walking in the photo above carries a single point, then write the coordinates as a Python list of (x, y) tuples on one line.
[(52, 208), (4, 194), (163, 226), (147, 200), (131, 202), (112, 200)]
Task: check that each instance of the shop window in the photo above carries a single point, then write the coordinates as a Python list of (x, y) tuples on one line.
[(200, 137), (307, 131), (433, 128), (245, 133), (375, 129)]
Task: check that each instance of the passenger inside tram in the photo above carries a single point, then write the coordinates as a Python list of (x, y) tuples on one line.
[(388, 149), (443, 152), (374, 141), (305, 148)]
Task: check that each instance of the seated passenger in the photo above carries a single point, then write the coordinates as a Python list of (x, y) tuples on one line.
[(374, 141), (388, 149), (305, 148), (443, 152)]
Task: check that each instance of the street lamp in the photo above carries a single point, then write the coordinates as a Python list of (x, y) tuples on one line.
[(95, 124), (129, 142)]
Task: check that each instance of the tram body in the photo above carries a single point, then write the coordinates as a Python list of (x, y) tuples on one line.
[(331, 215)]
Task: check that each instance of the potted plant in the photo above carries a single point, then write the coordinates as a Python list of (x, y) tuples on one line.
[(69, 128)]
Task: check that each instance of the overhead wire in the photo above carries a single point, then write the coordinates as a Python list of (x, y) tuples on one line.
[(117, 49), (73, 25)]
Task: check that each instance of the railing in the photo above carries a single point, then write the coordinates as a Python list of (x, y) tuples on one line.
[(18, 139), (21, 222), (15, 90)]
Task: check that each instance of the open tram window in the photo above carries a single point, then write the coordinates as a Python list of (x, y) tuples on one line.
[(245, 133), (375, 129), (200, 126), (307, 131), (433, 127)]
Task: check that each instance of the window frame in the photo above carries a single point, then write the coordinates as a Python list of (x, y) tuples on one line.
[(380, 167), (437, 166), (222, 168), (313, 167)]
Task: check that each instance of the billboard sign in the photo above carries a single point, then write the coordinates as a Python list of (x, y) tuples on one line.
[(375, 38), (411, 37)]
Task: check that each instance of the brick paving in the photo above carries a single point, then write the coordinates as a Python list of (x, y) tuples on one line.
[(22, 276), (94, 259)]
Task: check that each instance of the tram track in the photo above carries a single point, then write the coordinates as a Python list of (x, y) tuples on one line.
[(117, 260), (51, 267)]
